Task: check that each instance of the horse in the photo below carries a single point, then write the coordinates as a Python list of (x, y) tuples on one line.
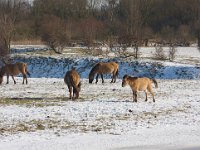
[(13, 70), (72, 79), (139, 84), (104, 68)]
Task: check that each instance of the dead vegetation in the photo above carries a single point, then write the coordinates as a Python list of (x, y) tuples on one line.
[(58, 124)]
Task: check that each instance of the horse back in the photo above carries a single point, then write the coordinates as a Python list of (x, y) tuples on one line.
[(109, 67), (140, 84), (72, 78), (15, 69), (12, 69)]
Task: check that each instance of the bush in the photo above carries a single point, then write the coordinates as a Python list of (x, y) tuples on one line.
[(159, 53), (172, 53)]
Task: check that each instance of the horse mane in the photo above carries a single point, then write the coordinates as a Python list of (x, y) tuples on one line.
[(130, 77), (134, 78), (94, 69)]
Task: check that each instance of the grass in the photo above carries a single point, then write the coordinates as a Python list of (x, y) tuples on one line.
[(32, 102)]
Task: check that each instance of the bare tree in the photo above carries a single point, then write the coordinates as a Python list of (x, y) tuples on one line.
[(54, 33), (197, 31), (9, 13), (172, 52), (183, 35), (91, 30), (159, 53)]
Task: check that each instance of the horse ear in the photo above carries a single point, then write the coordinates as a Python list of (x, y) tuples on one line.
[(73, 68)]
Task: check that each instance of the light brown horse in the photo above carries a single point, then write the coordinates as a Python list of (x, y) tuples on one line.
[(139, 84), (13, 70), (104, 68), (72, 79)]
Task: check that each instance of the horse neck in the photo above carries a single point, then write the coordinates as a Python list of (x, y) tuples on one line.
[(131, 80), (94, 70)]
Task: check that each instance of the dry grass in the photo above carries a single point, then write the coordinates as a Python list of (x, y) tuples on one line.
[(28, 42), (32, 102)]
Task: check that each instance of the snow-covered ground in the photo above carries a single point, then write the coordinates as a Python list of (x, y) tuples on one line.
[(40, 116)]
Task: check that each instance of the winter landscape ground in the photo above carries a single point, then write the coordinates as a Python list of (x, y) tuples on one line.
[(40, 115)]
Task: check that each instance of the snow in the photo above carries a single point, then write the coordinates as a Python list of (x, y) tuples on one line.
[(103, 118), (39, 115)]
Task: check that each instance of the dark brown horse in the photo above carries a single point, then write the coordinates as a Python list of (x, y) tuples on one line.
[(13, 70), (72, 79), (139, 84), (104, 68)]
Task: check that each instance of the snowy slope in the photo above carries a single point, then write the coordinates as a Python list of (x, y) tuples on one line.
[(57, 67)]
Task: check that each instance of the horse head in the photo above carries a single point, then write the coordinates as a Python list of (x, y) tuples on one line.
[(124, 80), (91, 77)]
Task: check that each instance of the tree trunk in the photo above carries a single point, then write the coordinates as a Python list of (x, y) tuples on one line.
[(198, 38), (136, 51)]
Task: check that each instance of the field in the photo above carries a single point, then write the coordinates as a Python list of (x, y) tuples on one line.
[(40, 115)]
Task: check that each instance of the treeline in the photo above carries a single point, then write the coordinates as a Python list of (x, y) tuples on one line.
[(61, 22)]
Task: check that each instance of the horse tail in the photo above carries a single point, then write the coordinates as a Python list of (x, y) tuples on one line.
[(27, 70), (79, 86), (73, 84), (117, 72), (155, 82)]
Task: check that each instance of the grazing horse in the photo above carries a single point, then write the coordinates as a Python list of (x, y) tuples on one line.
[(13, 70), (139, 84), (104, 68), (72, 79)]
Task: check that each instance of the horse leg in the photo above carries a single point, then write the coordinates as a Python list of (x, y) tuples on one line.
[(146, 93), (115, 78), (133, 96), (70, 91), (102, 78), (153, 96), (74, 92), (24, 78), (7, 79), (77, 94), (112, 81), (136, 96), (13, 79), (97, 77), (152, 93)]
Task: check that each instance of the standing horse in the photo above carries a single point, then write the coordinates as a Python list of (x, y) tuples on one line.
[(13, 70), (72, 79), (104, 68), (139, 84)]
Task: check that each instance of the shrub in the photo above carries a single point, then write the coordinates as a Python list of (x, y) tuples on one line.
[(159, 53)]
